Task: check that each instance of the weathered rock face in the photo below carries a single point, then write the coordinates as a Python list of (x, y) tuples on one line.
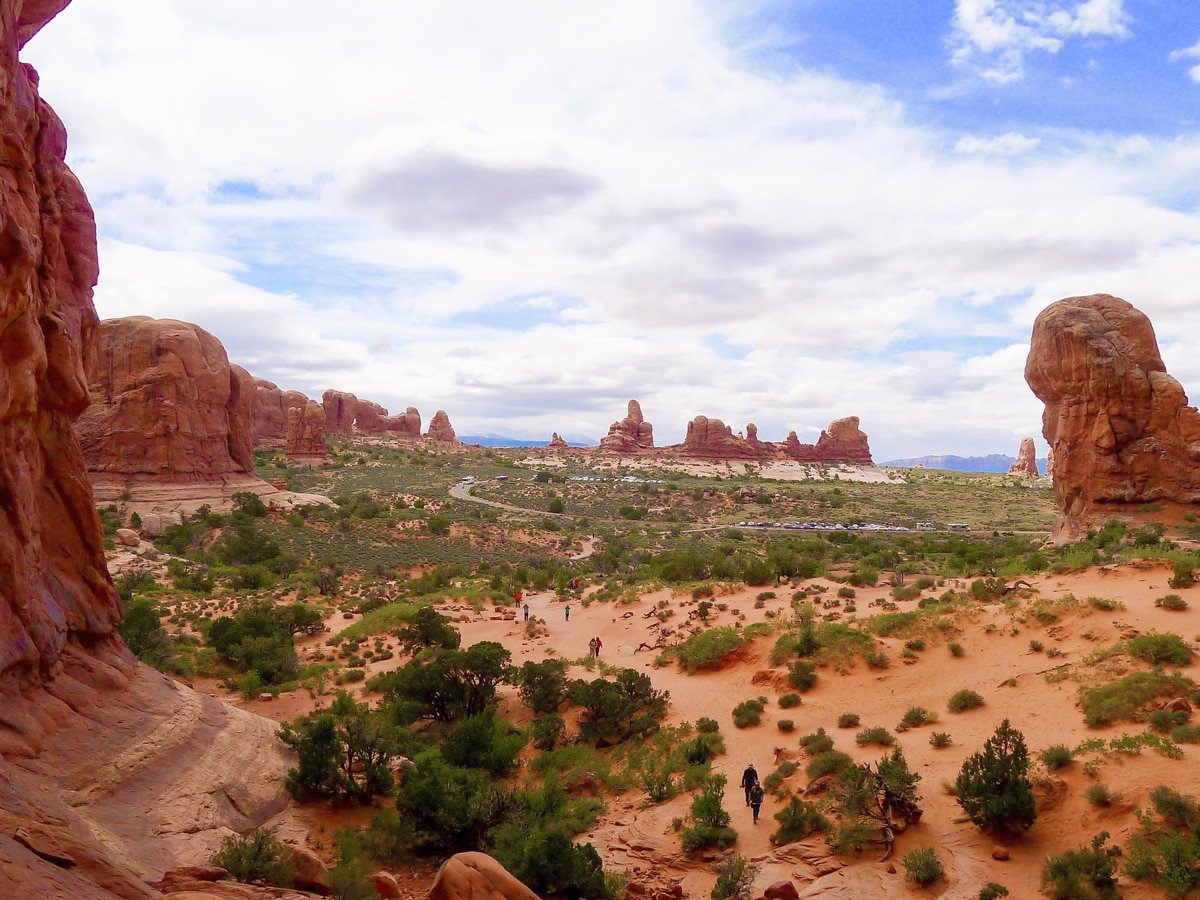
[(440, 429), (269, 425), (557, 443), (165, 401), (340, 409), (306, 432), (632, 434), (54, 587), (476, 876), (713, 439), (1119, 427), (346, 415), (842, 441), (405, 425), (1025, 464)]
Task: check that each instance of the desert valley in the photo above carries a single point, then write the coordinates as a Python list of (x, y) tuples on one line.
[(256, 644)]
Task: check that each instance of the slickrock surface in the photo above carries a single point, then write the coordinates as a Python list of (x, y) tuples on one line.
[(1119, 427), (476, 876)]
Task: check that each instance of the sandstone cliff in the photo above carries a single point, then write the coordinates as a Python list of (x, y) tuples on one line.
[(269, 425), (54, 587), (842, 441), (306, 432), (1119, 427)]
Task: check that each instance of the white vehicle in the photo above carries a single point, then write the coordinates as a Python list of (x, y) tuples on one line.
[(469, 479)]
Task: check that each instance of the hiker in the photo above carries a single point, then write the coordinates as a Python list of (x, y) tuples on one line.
[(598, 646), (749, 780), (756, 799), (526, 612), (567, 612), (592, 648)]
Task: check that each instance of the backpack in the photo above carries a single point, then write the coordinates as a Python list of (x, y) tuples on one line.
[(756, 794)]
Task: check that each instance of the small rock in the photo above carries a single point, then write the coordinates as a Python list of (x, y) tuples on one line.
[(781, 890), (127, 537), (1000, 853), (891, 868), (385, 885)]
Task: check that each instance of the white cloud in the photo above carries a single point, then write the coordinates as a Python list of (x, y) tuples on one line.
[(1192, 52), (1009, 144), (528, 213), (996, 35)]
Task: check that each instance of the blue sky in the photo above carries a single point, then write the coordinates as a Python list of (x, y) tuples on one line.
[(528, 213)]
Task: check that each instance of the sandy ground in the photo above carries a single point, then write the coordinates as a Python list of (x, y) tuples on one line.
[(780, 470), (997, 649)]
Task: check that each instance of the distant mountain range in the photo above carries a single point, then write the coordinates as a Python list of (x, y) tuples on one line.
[(500, 440), (995, 462)]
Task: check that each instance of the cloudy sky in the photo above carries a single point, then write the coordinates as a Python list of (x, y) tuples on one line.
[(527, 213)]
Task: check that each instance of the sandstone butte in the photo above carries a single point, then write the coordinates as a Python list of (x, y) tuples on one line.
[(440, 429), (1025, 464), (1120, 429), (842, 441), (633, 434), (557, 443), (92, 743), (347, 415)]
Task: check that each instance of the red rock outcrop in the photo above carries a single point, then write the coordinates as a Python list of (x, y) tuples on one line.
[(54, 587), (440, 429), (1119, 427), (165, 401), (340, 409), (557, 443), (713, 439), (1025, 464), (306, 432), (633, 434), (476, 876), (347, 415), (842, 441), (269, 426), (405, 425)]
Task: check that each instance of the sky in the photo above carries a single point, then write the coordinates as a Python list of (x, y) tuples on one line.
[(527, 213)]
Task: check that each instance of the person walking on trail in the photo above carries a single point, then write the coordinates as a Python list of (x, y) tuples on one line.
[(598, 645), (567, 612), (756, 799), (526, 612), (592, 648), (749, 780)]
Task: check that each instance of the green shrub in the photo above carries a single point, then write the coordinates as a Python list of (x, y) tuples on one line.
[(797, 821), (876, 659), (734, 878), (542, 686), (1186, 734), (1125, 699), (964, 700), (992, 891), (658, 782), (816, 743), (993, 785), (1172, 602), (785, 725), (877, 735), (916, 716), (1099, 795), (1055, 756), (546, 731), (747, 713), (802, 675), (788, 701), (1176, 808), (956, 650), (710, 821), (922, 867), (848, 720), (1159, 649), (616, 710), (706, 725), (1183, 576), (1164, 720), (1036, 646), (831, 762), (257, 855), (1083, 874), (774, 781), (915, 644), (939, 739)]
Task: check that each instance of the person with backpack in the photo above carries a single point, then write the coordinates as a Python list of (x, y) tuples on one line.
[(749, 779), (592, 648), (756, 799)]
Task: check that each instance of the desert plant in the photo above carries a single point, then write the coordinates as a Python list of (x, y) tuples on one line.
[(956, 650), (831, 762), (785, 725), (848, 720), (1055, 756), (1183, 576), (1173, 602), (1126, 698), (734, 878), (802, 675), (992, 891), (1036, 646), (993, 785), (922, 867), (939, 739), (1158, 649), (915, 716), (788, 701), (1099, 795), (747, 713), (816, 743), (710, 821), (878, 735), (1083, 874), (876, 800), (963, 700), (257, 855), (797, 821)]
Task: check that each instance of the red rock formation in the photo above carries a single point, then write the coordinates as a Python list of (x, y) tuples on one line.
[(339, 412), (347, 415), (440, 429), (476, 876), (306, 432), (842, 441), (713, 439), (370, 418), (1119, 427), (1025, 464), (557, 443), (633, 434), (165, 401), (405, 425), (54, 587), (269, 426)]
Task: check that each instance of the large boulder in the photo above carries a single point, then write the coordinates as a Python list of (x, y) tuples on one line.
[(440, 429), (54, 586), (476, 876), (1025, 465), (1119, 427), (165, 401), (633, 434)]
